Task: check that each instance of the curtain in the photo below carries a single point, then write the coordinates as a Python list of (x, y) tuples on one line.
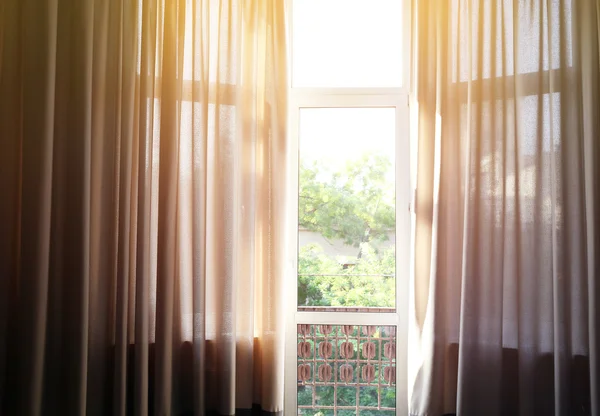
[(505, 308), (142, 160)]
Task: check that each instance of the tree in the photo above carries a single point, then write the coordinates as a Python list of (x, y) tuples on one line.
[(355, 205), (324, 282)]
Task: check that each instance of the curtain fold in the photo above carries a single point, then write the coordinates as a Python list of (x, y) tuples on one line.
[(142, 163), (505, 295)]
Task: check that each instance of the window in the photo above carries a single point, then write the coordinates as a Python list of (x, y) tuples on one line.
[(347, 43), (346, 207), (350, 231)]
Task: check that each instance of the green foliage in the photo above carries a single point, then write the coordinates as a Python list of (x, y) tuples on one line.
[(355, 206), (346, 396), (320, 283)]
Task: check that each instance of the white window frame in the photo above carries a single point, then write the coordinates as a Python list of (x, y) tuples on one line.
[(397, 98)]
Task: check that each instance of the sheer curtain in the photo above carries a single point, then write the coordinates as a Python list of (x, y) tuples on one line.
[(142, 166), (506, 297)]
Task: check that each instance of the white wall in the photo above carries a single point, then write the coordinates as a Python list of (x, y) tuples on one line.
[(336, 248)]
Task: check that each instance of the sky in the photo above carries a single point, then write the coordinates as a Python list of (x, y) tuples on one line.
[(336, 135), (347, 43)]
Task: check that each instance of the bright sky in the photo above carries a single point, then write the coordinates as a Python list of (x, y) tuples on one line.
[(347, 43), (335, 135)]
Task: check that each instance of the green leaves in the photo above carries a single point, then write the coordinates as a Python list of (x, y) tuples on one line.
[(322, 281), (354, 205)]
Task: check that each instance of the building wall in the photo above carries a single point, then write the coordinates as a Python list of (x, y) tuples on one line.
[(336, 248)]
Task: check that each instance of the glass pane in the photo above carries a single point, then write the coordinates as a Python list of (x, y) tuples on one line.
[(347, 43), (346, 215), (346, 369)]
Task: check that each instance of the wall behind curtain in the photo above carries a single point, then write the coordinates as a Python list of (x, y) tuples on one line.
[(142, 150), (506, 300)]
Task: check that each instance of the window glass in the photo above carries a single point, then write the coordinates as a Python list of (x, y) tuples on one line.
[(346, 207), (347, 43)]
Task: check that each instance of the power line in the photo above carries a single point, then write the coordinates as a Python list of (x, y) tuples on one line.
[(348, 275)]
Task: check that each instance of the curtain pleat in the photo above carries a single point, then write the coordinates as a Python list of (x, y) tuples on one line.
[(505, 295), (142, 168)]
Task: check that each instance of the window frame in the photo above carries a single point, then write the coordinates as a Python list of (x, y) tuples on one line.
[(397, 98)]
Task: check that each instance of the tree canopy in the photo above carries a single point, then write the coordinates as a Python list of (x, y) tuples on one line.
[(356, 206)]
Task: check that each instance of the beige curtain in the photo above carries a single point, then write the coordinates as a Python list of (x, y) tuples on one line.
[(506, 291), (142, 162)]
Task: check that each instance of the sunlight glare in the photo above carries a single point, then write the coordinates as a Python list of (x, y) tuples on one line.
[(347, 43)]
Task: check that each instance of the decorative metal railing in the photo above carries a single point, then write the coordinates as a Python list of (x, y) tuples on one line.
[(346, 370)]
